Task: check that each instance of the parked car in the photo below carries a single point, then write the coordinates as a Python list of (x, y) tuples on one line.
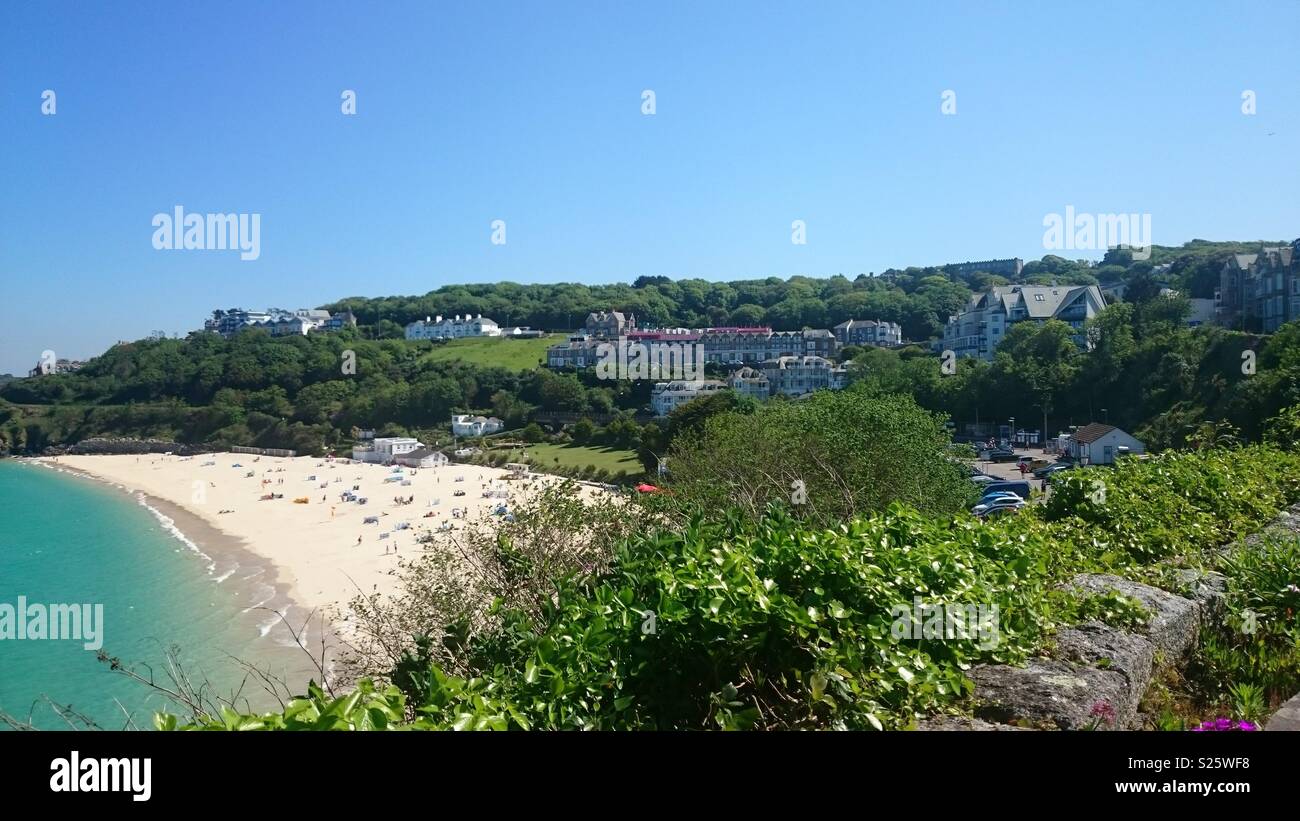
[(1045, 472), (1020, 487), (984, 479), (1000, 503), (999, 510), (995, 498), (1001, 455), (999, 494)]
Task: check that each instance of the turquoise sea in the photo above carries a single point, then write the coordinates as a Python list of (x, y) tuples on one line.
[(66, 539)]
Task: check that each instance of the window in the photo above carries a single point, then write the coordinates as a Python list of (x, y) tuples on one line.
[(1038, 298)]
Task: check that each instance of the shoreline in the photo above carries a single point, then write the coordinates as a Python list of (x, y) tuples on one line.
[(229, 558), (296, 520)]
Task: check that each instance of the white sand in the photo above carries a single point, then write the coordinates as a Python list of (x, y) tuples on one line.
[(313, 546)]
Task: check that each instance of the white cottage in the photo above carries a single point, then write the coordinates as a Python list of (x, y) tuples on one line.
[(1098, 444)]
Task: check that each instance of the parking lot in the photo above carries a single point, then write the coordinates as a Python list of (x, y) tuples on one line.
[(1009, 470)]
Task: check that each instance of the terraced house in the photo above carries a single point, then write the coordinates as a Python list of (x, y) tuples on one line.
[(1260, 292), (737, 346), (724, 346), (665, 397), (977, 331), (452, 327), (869, 332), (799, 375)]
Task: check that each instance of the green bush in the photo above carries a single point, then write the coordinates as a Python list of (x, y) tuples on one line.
[(1258, 643)]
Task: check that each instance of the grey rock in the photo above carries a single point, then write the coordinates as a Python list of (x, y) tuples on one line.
[(1287, 716), (1047, 693), (105, 445), (1103, 647), (964, 724), (1174, 620)]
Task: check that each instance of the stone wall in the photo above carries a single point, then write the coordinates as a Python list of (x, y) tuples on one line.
[(1094, 662)]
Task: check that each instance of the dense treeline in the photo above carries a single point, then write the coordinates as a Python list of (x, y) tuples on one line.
[(299, 392), (1149, 372), (919, 299)]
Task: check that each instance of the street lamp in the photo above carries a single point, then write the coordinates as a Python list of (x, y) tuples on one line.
[(1012, 437)]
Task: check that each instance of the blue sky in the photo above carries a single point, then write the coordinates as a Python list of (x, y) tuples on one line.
[(530, 112)]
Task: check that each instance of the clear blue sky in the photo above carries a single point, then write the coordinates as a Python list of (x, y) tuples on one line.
[(531, 113)]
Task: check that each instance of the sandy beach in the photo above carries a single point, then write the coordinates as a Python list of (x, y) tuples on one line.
[(324, 550)]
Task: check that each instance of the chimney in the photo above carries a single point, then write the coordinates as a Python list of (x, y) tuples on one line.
[(439, 318)]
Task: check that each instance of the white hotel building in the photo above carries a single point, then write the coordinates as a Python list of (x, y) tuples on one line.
[(665, 397), (384, 451), (979, 329), (452, 328)]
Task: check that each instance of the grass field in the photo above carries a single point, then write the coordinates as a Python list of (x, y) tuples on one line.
[(607, 458), (511, 354)]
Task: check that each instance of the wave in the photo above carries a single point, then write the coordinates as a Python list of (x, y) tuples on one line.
[(169, 525), (270, 623), (227, 574)]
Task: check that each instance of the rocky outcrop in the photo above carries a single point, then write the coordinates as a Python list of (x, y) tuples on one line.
[(109, 446), (1174, 620)]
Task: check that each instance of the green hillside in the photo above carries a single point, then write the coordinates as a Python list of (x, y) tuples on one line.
[(488, 352)]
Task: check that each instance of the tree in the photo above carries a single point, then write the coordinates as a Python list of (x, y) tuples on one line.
[(747, 316), (831, 456), (583, 431), (1042, 358), (533, 433)]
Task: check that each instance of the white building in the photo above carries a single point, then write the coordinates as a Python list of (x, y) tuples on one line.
[(276, 321), (799, 375), (315, 316), (289, 326), (665, 397), (979, 329), (422, 458), (466, 425), (749, 382), (452, 327), (385, 450), (1098, 444)]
